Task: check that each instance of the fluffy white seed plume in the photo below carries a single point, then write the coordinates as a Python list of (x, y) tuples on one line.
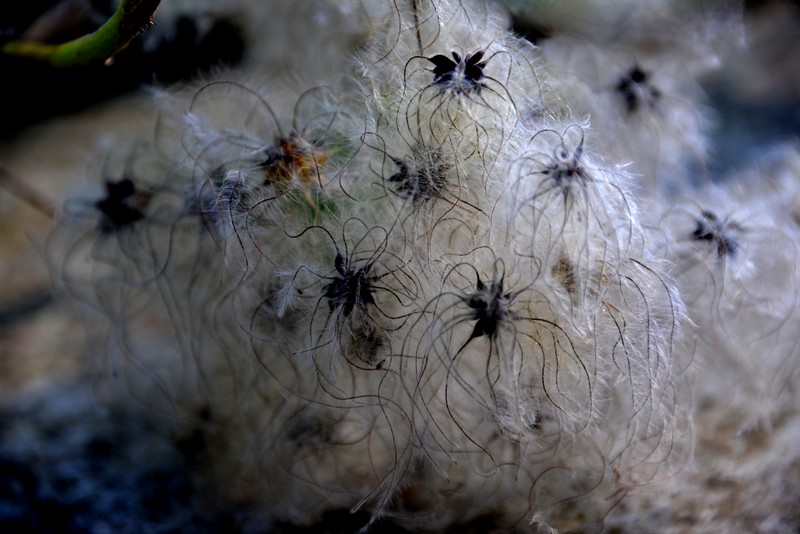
[(425, 297), (735, 250), (642, 106), (636, 75)]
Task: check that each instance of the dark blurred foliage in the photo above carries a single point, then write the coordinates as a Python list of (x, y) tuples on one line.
[(32, 90)]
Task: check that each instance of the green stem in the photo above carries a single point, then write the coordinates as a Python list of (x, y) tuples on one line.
[(131, 18)]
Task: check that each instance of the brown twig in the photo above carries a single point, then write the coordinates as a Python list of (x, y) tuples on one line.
[(24, 191)]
